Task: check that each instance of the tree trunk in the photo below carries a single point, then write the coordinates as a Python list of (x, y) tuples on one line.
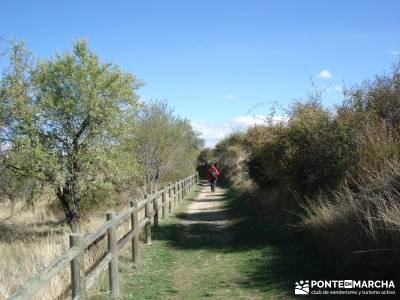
[(74, 224), (70, 205)]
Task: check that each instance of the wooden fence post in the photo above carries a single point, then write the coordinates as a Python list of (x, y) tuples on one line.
[(78, 268), (169, 198), (155, 209), (186, 187), (163, 201), (113, 249), (135, 228), (182, 190), (179, 191), (151, 199), (147, 227), (176, 193)]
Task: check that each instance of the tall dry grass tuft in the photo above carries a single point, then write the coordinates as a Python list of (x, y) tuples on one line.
[(24, 258), (361, 220), (377, 147), (32, 240)]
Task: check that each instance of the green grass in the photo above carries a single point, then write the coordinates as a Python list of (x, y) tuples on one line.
[(151, 277), (251, 259)]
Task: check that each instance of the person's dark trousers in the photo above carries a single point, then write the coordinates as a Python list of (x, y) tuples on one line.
[(213, 185)]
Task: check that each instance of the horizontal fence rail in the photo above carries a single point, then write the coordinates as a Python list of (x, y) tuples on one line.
[(156, 204)]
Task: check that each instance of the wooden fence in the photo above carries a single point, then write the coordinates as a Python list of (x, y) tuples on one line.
[(169, 195)]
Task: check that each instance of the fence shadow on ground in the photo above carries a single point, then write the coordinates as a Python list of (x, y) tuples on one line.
[(286, 258)]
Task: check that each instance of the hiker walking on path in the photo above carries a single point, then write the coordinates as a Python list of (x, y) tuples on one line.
[(213, 174)]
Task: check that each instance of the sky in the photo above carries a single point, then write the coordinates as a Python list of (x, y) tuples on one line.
[(221, 64)]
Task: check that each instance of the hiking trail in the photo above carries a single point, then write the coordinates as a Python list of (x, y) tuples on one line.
[(204, 251)]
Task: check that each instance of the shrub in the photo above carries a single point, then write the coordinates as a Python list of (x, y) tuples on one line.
[(308, 153), (230, 155), (267, 147)]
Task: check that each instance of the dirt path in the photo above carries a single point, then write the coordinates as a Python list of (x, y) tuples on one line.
[(205, 251), (209, 208), (210, 202), (210, 268)]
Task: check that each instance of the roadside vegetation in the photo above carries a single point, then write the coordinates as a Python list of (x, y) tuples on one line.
[(75, 140), (332, 175)]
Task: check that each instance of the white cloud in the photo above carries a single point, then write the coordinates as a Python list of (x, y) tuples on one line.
[(325, 74), (394, 52), (248, 121), (212, 133), (143, 99), (228, 96), (339, 88)]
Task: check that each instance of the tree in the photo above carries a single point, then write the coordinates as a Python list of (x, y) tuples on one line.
[(15, 186), (166, 145), (14, 90), (69, 115)]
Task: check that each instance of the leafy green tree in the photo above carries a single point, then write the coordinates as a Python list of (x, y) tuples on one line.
[(166, 145), (67, 118), (15, 183)]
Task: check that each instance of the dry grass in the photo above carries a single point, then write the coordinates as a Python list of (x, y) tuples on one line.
[(32, 239), (363, 214), (377, 147), (25, 251), (360, 219)]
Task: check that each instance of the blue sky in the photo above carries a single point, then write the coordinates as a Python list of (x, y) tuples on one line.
[(212, 61)]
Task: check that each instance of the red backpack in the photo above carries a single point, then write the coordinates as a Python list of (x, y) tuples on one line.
[(214, 172)]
